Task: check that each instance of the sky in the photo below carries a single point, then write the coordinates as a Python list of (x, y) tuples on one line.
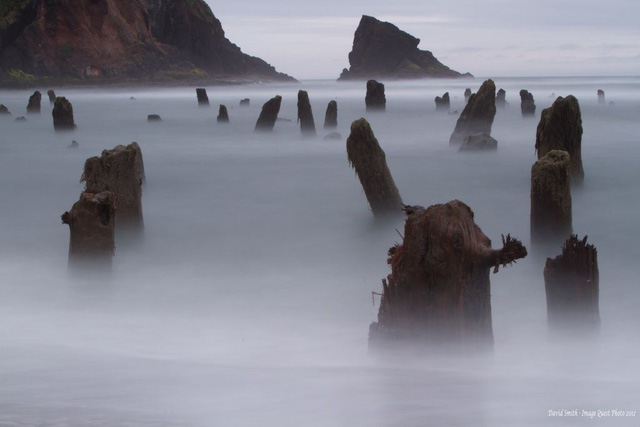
[(494, 38)]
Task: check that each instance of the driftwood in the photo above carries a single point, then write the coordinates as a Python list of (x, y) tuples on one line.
[(63, 114), (439, 289), (527, 104), (269, 115), (375, 99), (478, 114), (370, 163), (203, 98), (223, 115), (331, 116), (305, 115), (35, 103)]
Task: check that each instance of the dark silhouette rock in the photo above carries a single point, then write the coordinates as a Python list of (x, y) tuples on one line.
[(467, 95), (74, 144), (560, 128), (331, 115), (479, 142), (478, 114), (375, 99), (601, 99), (501, 99), (572, 283), (203, 98), (369, 161), (305, 115), (269, 115), (91, 223), (35, 103), (245, 102), (527, 104), (333, 136), (21, 119), (439, 289), (4, 110), (382, 50), (551, 214), (52, 96), (223, 114), (154, 118), (443, 103), (120, 170), (63, 114)]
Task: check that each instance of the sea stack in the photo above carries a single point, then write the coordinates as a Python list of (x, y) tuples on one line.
[(551, 214), (443, 103), (527, 104), (478, 114), (63, 114), (331, 116), (375, 99), (52, 96), (439, 290), (268, 115), (223, 114), (601, 99), (305, 115), (35, 102), (369, 161), (501, 99), (203, 98), (560, 128)]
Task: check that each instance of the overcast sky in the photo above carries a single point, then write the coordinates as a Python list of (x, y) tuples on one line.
[(493, 38)]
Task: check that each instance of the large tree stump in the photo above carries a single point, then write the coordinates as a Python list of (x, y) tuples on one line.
[(375, 99), (572, 286), (443, 103), (52, 96), (35, 103), (527, 104), (268, 115), (560, 128), (331, 115), (63, 114), (120, 170), (501, 99), (439, 289), (305, 114), (551, 216), (370, 163), (91, 223), (203, 98), (223, 115), (478, 114)]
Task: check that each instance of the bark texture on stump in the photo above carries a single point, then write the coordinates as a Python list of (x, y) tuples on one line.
[(443, 103), (331, 116), (601, 99), (560, 128), (478, 114), (268, 115), (63, 114), (439, 289), (91, 223), (35, 103), (375, 99), (203, 98), (370, 163), (501, 99), (52, 96), (572, 286), (551, 215), (305, 114), (120, 170), (527, 104), (223, 114)]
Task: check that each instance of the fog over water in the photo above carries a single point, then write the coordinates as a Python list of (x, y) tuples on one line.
[(249, 300)]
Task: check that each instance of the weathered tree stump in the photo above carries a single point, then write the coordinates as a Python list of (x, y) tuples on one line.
[(154, 118), (120, 170), (203, 98), (439, 289), (375, 99), (572, 286), (601, 99), (331, 115), (246, 102), (35, 103), (478, 114), (91, 223), (305, 114), (223, 115), (370, 163), (269, 115), (63, 114), (443, 103), (551, 215), (467, 94), (501, 99), (4, 110), (527, 104), (52, 96), (560, 128)]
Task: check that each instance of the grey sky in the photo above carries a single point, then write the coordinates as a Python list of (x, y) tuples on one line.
[(311, 39)]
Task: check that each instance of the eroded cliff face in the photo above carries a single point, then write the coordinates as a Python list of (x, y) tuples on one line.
[(149, 40)]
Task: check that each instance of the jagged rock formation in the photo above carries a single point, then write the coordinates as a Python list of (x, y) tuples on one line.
[(63, 114), (478, 114), (375, 100), (305, 114), (560, 128), (116, 40), (52, 96), (479, 142), (223, 115), (268, 115), (382, 50), (331, 115), (443, 103), (527, 104), (501, 99), (439, 289), (203, 98), (35, 103)]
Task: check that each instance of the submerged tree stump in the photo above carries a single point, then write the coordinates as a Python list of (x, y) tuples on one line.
[(601, 99), (91, 223), (120, 170), (268, 115), (478, 114), (52, 96), (370, 163), (551, 213), (63, 114), (203, 98), (439, 289), (305, 114), (560, 128), (572, 286), (331, 116), (443, 103), (35, 103), (375, 99), (501, 99), (223, 114), (527, 104)]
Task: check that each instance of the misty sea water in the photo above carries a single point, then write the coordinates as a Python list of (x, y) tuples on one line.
[(248, 301)]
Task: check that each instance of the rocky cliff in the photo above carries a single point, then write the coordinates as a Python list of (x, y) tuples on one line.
[(120, 40), (382, 50)]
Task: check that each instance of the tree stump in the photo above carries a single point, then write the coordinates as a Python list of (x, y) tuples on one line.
[(501, 99), (443, 103), (572, 287), (560, 128), (478, 114), (331, 115), (601, 99), (35, 103), (63, 115), (154, 118), (223, 115), (527, 104), (305, 114), (370, 163), (439, 289), (4, 110), (203, 98), (268, 115), (375, 99), (467, 94), (246, 102), (52, 96)]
